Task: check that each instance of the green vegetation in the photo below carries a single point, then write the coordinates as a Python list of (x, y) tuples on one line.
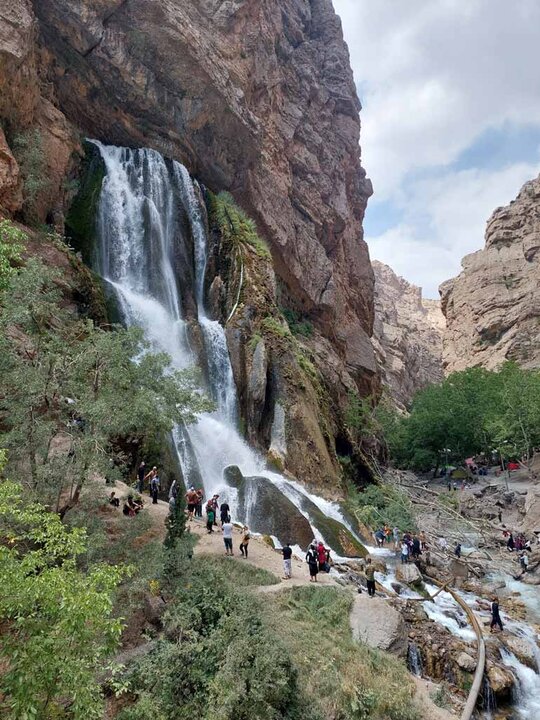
[(299, 326), (380, 504), (70, 389), (28, 151), (275, 326), (81, 218), (340, 678), (234, 225), (57, 623), (471, 412), (11, 246)]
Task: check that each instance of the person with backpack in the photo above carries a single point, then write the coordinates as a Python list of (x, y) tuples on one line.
[(228, 537), (154, 488), (370, 577), (313, 563), (245, 541), (286, 551), (321, 556)]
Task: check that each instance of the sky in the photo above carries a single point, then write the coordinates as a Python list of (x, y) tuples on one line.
[(450, 91)]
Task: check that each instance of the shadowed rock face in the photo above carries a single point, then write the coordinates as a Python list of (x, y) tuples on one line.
[(407, 336), (493, 307), (254, 97)]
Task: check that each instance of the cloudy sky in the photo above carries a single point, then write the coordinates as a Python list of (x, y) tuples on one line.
[(450, 123)]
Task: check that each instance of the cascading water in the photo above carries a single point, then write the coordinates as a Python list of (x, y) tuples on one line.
[(141, 198), (414, 660)]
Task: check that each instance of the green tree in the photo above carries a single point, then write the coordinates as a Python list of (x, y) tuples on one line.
[(57, 624), (11, 246), (69, 388)]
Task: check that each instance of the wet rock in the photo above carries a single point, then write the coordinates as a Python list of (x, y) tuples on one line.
[(377, 624), (256, 385), (408, 574), (501, 680), (522, 649), (466, 662)]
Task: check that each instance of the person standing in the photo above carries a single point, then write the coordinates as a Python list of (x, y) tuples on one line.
[(245, 541), (457, 551), (312, 561), (321, 556), (387, 534), (510, 543), (286, 551), (224, 513), (422, 537), (415, 548), (154, 488), (191, 500), (524, 561), (404, 553), (150, 476), (370, 577), (210, 517), (141, 470), (495, 615), (228, 537), (198, 506)]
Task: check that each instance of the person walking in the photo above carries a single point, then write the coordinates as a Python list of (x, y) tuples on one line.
[(154, 488), (321, 556), (286, 551), (312, 561), (210, 517), (370, 577), (495, 615), (457, 551), (404, 553), (224, 513), (141, 470), (228, 537), (246, 536)]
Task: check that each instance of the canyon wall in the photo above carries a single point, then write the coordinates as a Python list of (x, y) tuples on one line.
[(493, 307), (407, 336), (256, 98)]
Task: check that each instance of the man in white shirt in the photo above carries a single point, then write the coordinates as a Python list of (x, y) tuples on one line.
[(227, 537)]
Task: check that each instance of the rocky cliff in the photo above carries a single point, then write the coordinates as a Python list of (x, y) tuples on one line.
[(253, 97), (407, 335), (493, 307)]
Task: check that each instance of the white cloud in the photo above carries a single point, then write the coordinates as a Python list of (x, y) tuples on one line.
[(459, 205), (434, 74)]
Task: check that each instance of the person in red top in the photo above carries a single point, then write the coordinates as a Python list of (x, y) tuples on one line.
[(321, 556)]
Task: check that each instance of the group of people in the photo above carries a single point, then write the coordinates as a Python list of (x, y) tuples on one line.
[(318, 559), (132, 505), (520, 544)]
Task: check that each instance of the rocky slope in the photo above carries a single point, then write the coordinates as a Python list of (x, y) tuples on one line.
[(493, 307), (407, 335), (255, 98)]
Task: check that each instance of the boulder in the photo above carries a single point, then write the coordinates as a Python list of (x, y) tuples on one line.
[(466, 662), (522, 649), (408, 574), (375, 623), (501, 680)]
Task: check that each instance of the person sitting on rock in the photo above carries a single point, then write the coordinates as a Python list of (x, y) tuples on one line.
[(113, 500)]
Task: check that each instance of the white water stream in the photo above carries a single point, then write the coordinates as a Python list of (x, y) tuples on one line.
[(139, 237)]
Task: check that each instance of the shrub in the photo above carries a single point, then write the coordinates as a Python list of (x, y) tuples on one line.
[(379, 504), (234, 225), (28, 151), (299, 325), (11, 246)]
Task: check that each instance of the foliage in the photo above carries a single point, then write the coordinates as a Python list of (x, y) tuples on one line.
[(69, 388), (298, 325), (254, 341), (220, 660), (470, 412), (234, 225), (380, 504), (342, 679), (11, 246), (57, 619), (276, 327), (28, 151)]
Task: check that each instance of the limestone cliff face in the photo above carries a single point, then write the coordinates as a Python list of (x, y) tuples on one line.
[(255, 97), (493, 307), (407, 335)]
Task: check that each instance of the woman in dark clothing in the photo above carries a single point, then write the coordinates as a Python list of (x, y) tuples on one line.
[(510, 544), (312, 561), (495, 615)]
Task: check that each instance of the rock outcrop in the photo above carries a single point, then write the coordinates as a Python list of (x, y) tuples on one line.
[(407, 335), (493, 307), (377, 624)]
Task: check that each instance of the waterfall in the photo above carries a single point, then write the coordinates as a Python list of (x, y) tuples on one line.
[(139, 257), (489, 703), (414, 660)]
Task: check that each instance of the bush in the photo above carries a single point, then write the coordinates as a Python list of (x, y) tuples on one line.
[(378, 504), (28, 151), (299, 325), (11, 246), (234, 225)]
